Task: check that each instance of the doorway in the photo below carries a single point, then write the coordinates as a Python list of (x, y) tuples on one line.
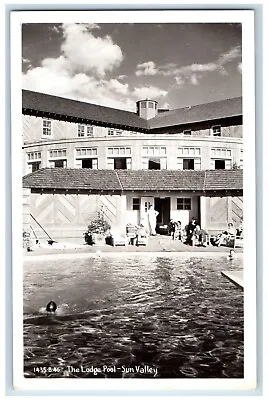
[(162, 205)]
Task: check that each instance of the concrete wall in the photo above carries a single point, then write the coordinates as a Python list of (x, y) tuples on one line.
[(172, 143)]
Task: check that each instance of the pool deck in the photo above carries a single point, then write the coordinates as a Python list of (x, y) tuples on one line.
[(156, 244), (236, 277)]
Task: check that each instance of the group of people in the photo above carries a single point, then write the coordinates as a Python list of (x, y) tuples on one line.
[(193, 232)]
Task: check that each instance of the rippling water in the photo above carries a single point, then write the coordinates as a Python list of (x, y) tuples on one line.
[(133, 316)]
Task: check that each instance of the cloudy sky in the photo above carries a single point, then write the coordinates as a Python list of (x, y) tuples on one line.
[(117, 64)]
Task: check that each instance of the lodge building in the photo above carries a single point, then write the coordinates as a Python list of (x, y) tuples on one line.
[(80, 158)]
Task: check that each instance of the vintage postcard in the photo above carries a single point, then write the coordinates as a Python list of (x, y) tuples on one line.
[(133, 151)]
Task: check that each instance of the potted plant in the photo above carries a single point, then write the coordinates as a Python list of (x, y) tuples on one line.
[(97, 231)]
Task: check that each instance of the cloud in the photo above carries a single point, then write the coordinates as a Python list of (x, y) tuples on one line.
[(79, 70), (88, 53), (147, 68), (191, 73), (165, 106), (239, 67), (179, 80), (150, 92)]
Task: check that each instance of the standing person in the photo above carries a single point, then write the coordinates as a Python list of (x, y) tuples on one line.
[(190, 229), (152, 214)]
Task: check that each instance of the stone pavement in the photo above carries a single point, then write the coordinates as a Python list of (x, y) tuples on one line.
[(158, 243)]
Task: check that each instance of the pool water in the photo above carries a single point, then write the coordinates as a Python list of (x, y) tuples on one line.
[(133, 316)]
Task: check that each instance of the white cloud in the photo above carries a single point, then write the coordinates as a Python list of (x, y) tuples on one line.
[(150, 92), (239, 67), (165, 106), (147, 68), (78, 72), (87, 52), (179, 80), (191, 73)]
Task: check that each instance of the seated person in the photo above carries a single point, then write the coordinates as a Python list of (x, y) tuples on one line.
[(200, 235), (239, 231), (225, 235), (177, 233), (142, 232), (190, 229)]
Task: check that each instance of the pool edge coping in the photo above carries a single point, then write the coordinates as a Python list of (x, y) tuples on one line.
[(43, 257)]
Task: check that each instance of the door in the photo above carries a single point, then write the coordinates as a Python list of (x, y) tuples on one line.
[(145, 202)]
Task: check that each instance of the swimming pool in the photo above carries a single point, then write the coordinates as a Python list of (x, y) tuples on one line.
[(133, 316)]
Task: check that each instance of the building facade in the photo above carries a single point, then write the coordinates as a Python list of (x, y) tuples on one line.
[(63, 133)]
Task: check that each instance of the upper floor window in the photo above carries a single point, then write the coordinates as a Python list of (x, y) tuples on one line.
[(47, 127), (143, 104), (150, 104), (84, 130), (187, 132), (86, 152), (189, 151), (110, 132), (216, 130), (59, 153), (154, 150), (221, 153), (118, 151), (35, 155)]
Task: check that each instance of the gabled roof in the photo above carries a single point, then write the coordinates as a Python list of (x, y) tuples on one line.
[(130, 180), (202, 112), (45, 103), (41, 102), (63, 178)]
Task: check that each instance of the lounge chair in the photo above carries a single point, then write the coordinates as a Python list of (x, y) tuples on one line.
[(118, 238)]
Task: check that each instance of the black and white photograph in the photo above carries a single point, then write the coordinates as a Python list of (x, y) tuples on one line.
[(131, 147)]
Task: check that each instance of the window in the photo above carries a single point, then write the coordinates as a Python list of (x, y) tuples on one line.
[(150, 104), (118, 133), (154, 150), (34, 166), (84, 130), (184, 204), (60, 164), (222, 152), (119, 163), (60, 153), (187, 132), (118, 151), (143, 104), (86, 152), (188, 163), (46, 127), (219, 164), (36, 155), (154, 163), (136, 205), (216, 130), (110, 132)]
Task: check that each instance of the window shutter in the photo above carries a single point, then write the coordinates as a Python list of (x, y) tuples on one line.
[(180, 164), (110, 163), (227, 164), (51, 164), (129, 166), (78, 164), (163, 163), (94, 163), (145, 163), (197, 164)]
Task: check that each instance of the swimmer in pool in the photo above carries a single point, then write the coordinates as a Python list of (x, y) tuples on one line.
[(51, 307)]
